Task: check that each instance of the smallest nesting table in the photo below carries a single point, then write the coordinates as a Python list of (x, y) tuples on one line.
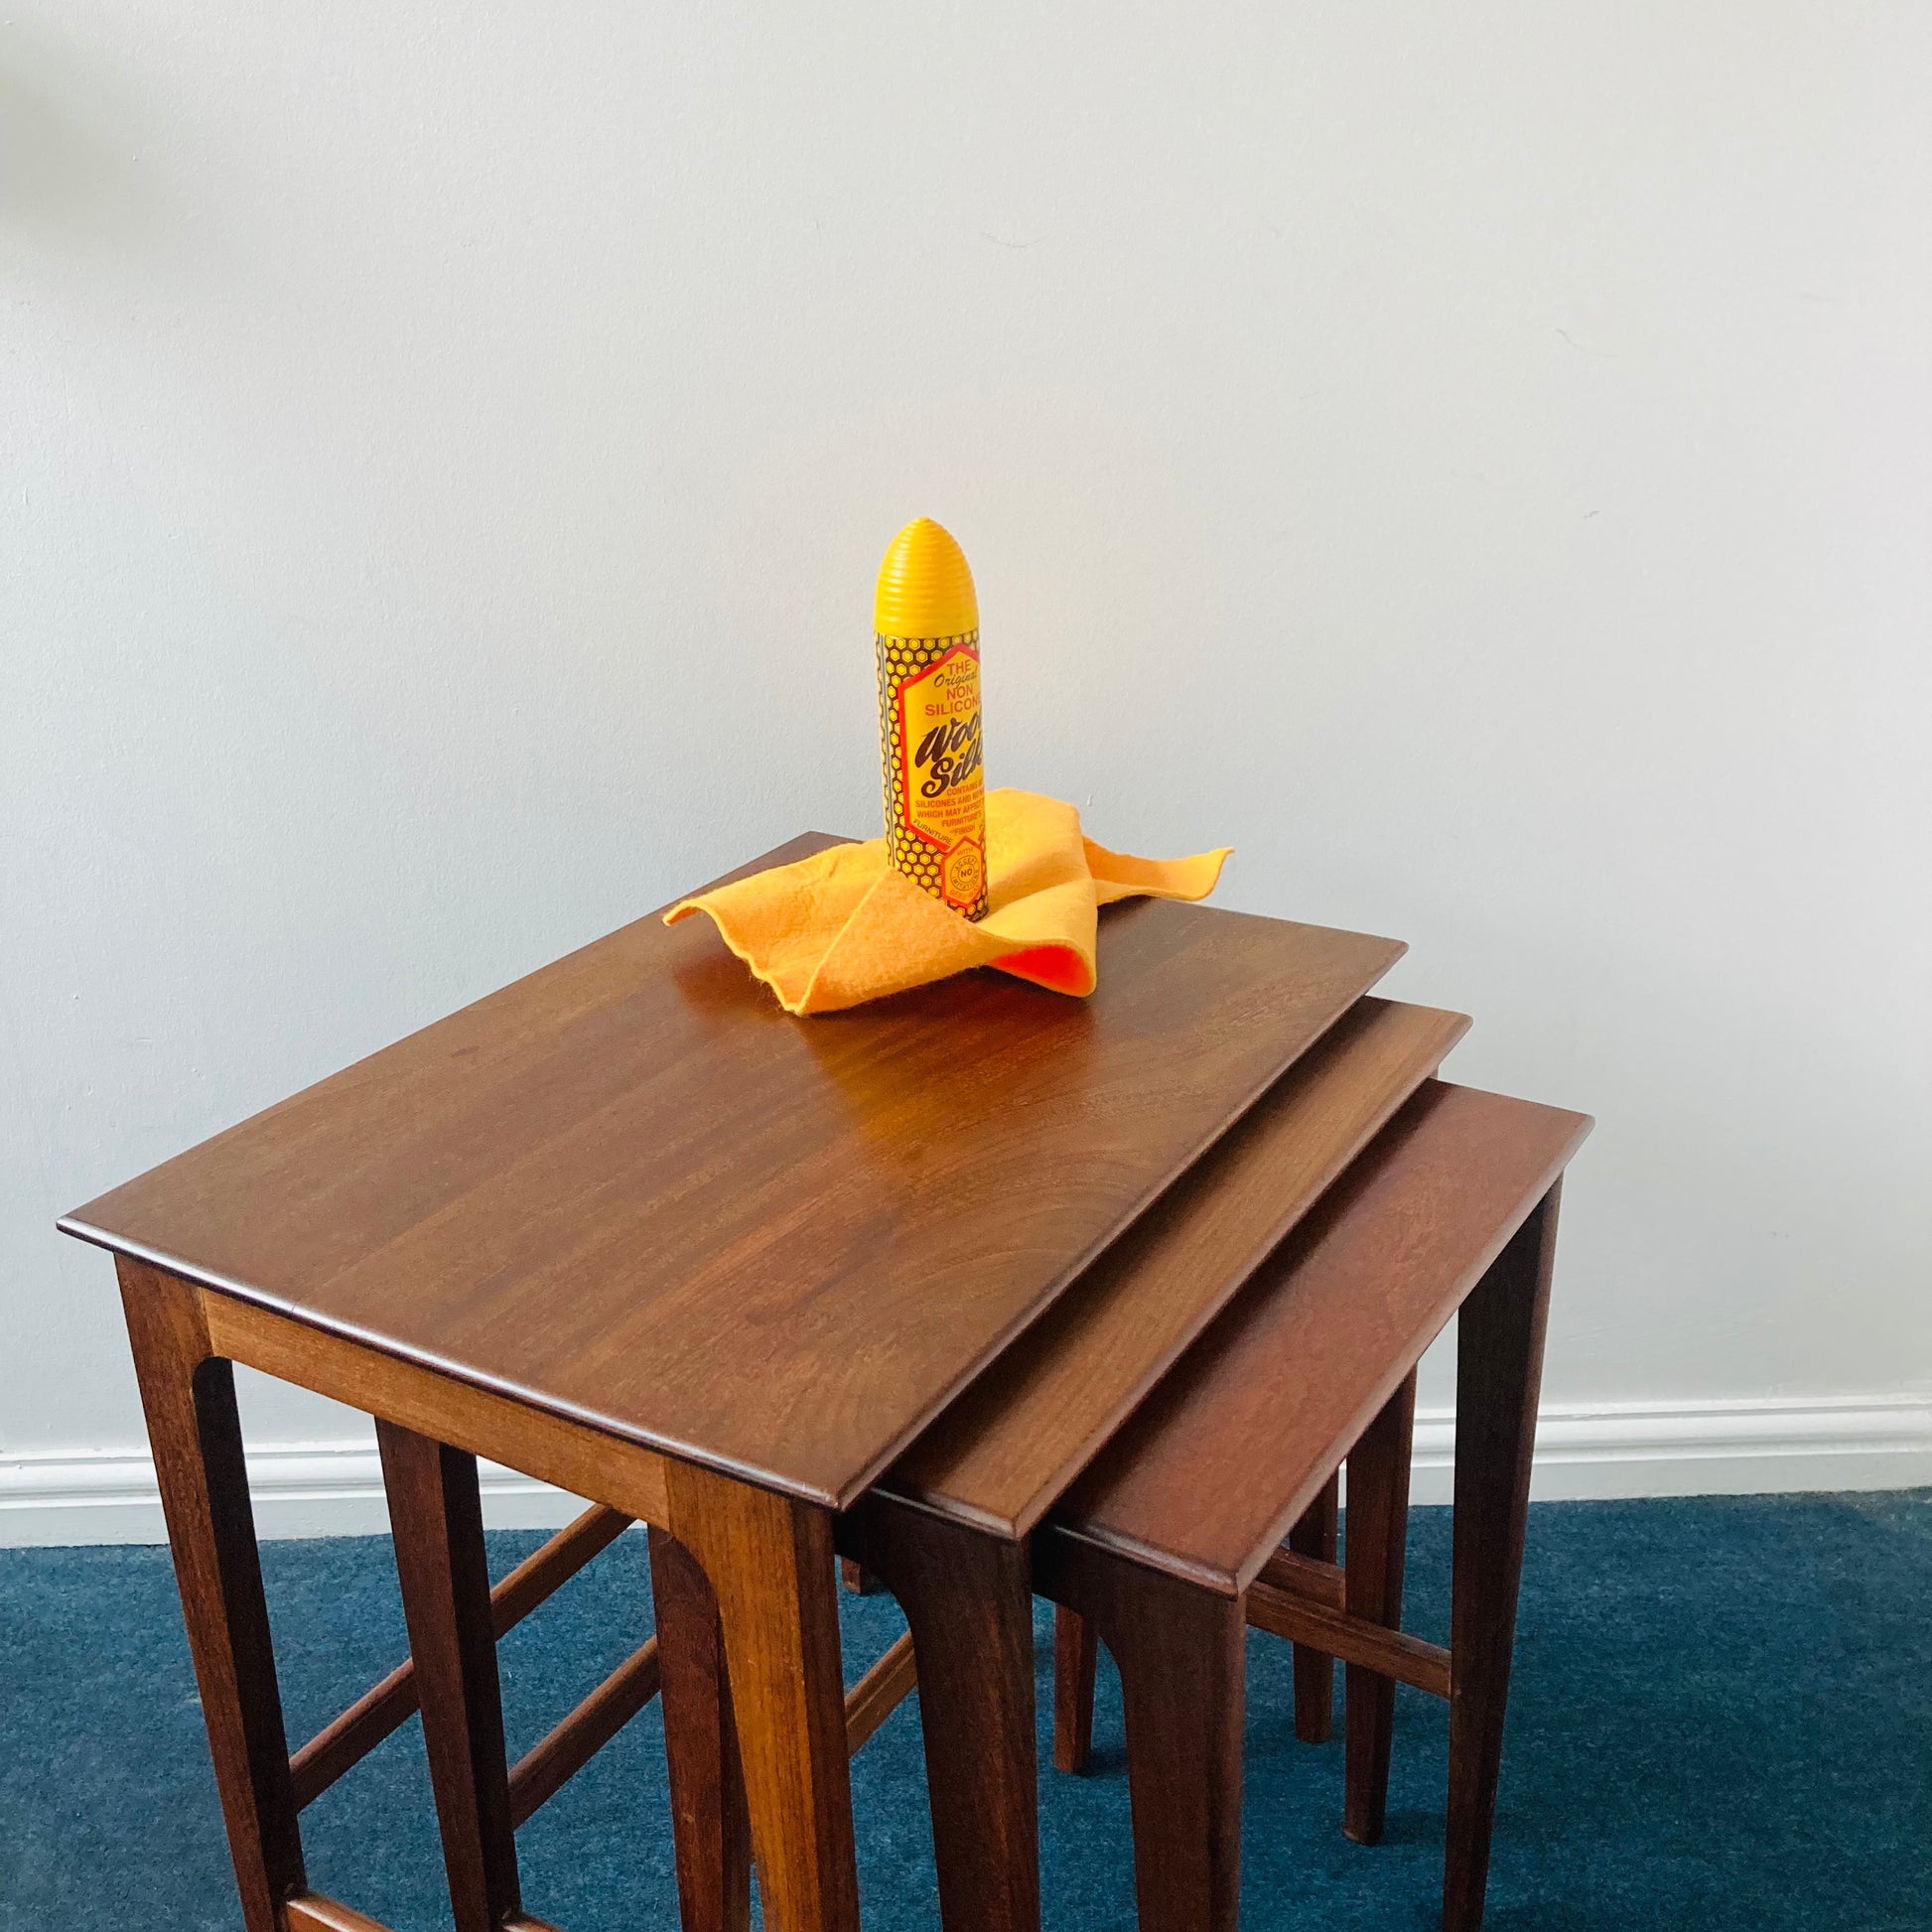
[(1172, 1541)]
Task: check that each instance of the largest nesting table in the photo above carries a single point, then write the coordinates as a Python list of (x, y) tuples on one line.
[(628, 1227)]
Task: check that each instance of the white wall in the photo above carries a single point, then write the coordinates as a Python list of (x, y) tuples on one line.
[(1476, 459)]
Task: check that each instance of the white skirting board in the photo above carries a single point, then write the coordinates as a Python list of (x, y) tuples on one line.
[(1722, 1447), (1754, 1447)]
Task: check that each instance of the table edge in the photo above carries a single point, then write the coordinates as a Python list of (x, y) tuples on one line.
[(1040, 1503), (840, 1499), (1225, 1581), (427, 1359)]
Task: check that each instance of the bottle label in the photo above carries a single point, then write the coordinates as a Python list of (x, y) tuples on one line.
[(935, 797)]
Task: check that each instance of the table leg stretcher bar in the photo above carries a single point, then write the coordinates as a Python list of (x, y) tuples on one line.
[(444, 1584), (1294, 1598), (552, 1762), (378, 1712)]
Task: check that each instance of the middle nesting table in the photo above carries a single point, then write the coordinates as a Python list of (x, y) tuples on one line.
[(947, 1527)]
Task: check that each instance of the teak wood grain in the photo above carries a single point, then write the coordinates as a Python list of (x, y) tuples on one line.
[(711, 1830), (1296, 1370), (196, 1433), (1453, 1208), (631, 1190), (1314, 1536), (1498, 1378), (580, 1461), (1378, 1524), (880, 1693), (436, 1514), (968, 1604), (1304, 1620), (1003, 1452), (1075, 1663)]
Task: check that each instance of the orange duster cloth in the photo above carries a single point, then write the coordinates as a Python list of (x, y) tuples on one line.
[(842, 926)]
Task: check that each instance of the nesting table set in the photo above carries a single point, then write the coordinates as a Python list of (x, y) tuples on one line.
[(989, 1291)]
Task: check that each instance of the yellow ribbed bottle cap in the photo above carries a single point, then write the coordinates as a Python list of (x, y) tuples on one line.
[(924, 587)]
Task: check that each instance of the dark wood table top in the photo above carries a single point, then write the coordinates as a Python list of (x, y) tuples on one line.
[(1208, 1473), (999, 1457), (632, 1190)]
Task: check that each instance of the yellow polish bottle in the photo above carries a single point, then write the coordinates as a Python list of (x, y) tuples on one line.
[(926, 632)]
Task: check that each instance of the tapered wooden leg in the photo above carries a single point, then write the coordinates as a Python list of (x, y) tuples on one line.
[(1076, 1663), (768, 1560), (436, 1516), (709, 1822), (1315, 1670), (1499, 1375), (968, 1600), (195, 1434), (1378, 1525), (857, 1577), (1182, 1655)]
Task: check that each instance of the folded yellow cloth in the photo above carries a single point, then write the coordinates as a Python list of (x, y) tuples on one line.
[(842, 926)]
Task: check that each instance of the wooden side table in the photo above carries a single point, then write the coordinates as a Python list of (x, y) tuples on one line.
[(950, 1527), (630, 1228), (1169, 1540)]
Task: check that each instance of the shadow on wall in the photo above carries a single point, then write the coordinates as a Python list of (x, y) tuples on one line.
[(72, 144)]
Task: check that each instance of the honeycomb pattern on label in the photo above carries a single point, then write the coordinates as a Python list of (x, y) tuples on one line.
[(899, 660)]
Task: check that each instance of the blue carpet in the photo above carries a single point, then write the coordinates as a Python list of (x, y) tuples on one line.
[(1721, 1718)]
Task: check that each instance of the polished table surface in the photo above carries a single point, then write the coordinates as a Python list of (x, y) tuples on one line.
[(1334, 1319), (631, 1191), (1001, 1455)]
